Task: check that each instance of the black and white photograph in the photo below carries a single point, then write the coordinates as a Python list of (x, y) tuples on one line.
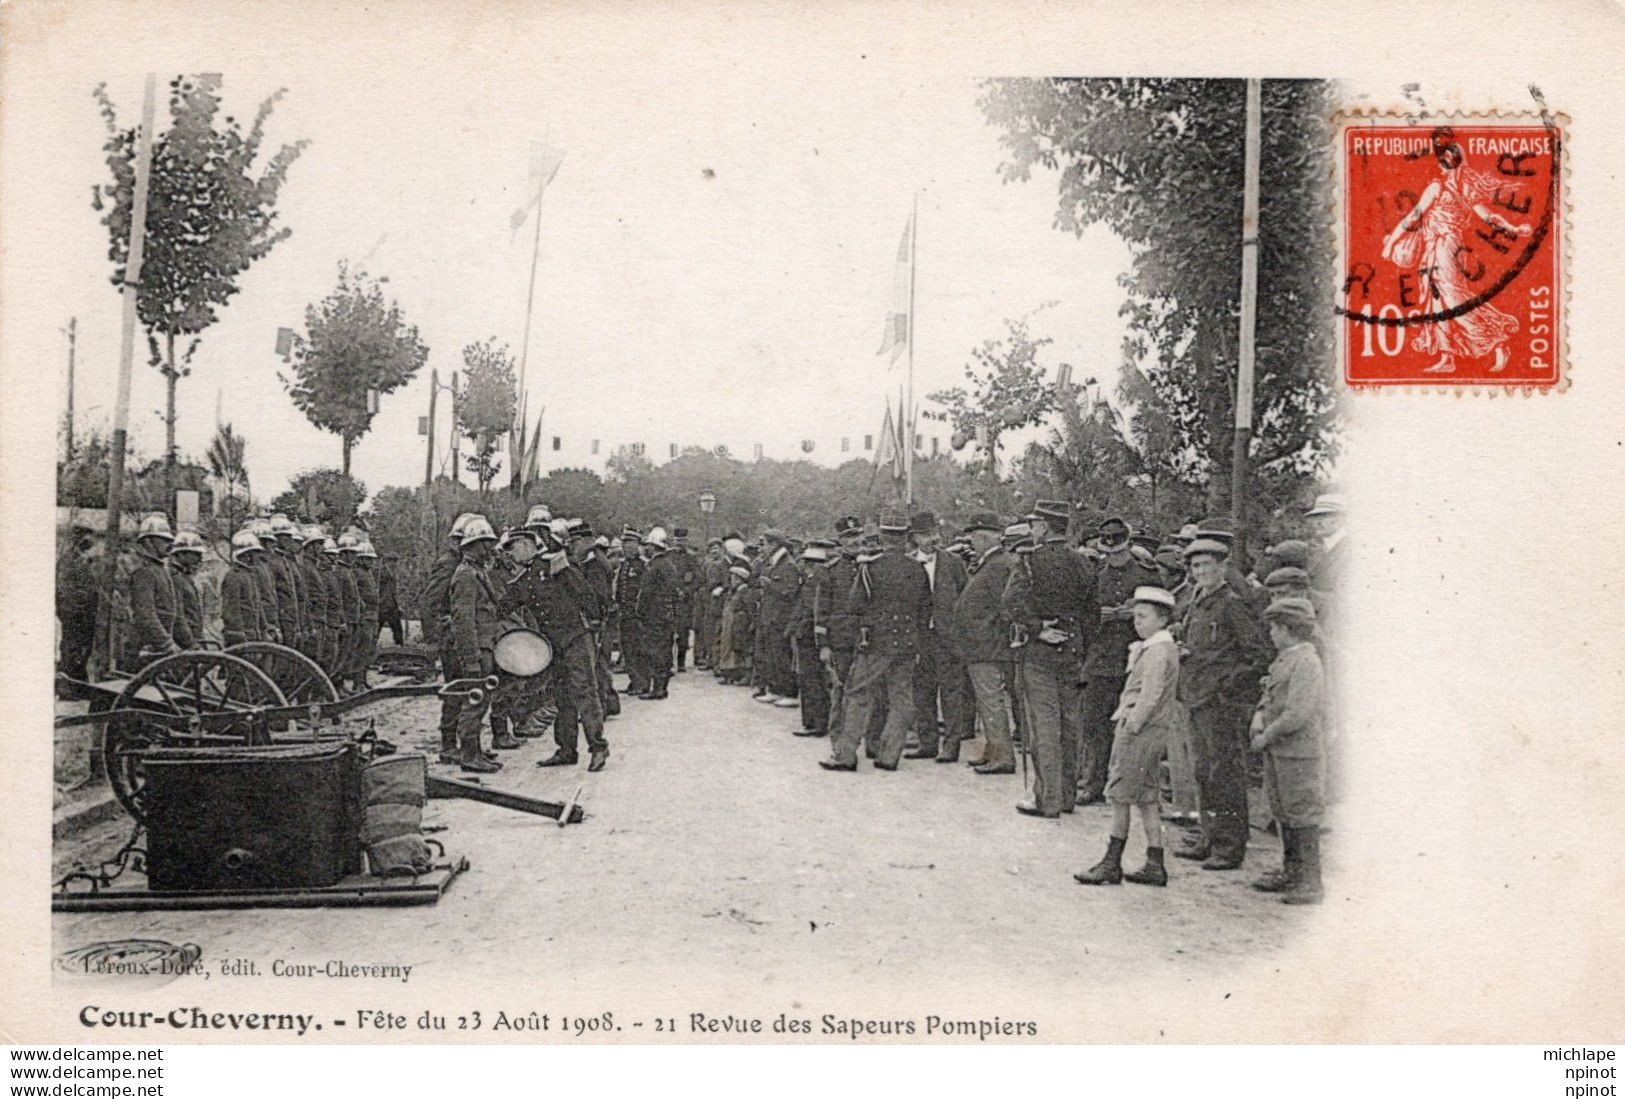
[(579, 525)]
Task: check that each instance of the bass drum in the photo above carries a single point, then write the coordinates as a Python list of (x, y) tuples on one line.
[(523, 652)]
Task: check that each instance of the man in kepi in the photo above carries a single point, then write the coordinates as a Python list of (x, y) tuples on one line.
[(1225, 653), (1050, 600), (890, 603)]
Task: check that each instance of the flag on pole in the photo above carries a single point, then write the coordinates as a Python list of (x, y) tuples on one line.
[(889, 450), (898, 321), (544, 165)]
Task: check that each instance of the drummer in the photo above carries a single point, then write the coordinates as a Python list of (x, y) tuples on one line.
[(551, 592)]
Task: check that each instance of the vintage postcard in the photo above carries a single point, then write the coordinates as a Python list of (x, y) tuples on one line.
[(844, 524)]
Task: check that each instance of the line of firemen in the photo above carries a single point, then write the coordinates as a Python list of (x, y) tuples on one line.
[(289, 583), (552, 577)]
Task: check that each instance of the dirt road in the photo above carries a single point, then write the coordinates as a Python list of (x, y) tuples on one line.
[(715, 844)]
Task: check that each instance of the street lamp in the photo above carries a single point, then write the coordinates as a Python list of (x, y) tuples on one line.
[(708, 504)]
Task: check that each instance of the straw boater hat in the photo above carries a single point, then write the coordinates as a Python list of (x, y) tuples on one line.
[(1161, 597), (1327, 503)]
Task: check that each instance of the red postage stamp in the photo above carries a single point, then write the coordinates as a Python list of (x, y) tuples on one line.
[(1452, 252)]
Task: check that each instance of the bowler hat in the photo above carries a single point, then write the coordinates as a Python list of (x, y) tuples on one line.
[(923, 522)]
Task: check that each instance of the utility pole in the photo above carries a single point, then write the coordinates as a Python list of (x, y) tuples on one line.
[(913, 333), (456, 473), (1249, 309), (121, 407), (428, 457), (73, 332)]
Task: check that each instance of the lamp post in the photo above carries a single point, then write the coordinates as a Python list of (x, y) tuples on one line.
[(708, 504)]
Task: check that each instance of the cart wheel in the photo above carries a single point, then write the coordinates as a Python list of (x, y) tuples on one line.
[(183, 683), (299, 677)]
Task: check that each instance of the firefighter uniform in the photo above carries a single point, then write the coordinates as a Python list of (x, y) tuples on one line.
[(890, 604)]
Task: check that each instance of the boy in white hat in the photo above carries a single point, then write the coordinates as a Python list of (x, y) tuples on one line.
[(1147, 715)]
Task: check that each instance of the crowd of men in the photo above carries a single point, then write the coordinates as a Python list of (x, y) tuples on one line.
[(287, 582), (1103, 659), (1028, 632)]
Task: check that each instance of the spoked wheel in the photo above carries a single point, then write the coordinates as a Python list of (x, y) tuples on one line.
[(299, 677), (182, 684)]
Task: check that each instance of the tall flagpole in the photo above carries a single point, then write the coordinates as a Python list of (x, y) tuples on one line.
[(516, 479), (913, 333)]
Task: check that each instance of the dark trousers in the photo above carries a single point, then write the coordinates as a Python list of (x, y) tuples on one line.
[(877, 678), (941, 675), (633, 656), (777, 671), (1094, 749), (842, 659), (392, 620), (1217, 732), (1018, 719), (812, 681), (78, 637), (657, 652), (680, 634), (471, 714), (1054, 704), (579, 697)]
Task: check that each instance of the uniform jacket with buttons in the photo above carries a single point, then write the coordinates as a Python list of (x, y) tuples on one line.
[(188, 610), (240, 605), (473, 615), (1052, 584), (843, 633), (152, 605), (549, 601), (981, 628), (781, 584), (810, 620), (367, 588), (628, 579), (265, 583), (316, 612), (601, 583), (658, 592), (890, 603)]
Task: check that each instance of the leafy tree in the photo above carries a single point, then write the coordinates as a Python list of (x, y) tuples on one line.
[(1007, 390), (486, 406), (578, 493), (211, 214), (355, 342), (226, 461), (337, 497), (1160, 163)]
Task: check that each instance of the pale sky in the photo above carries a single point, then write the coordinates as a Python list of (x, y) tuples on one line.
[(670, 307)]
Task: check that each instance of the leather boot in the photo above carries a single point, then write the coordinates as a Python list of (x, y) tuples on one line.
[(1152, 873), (1280, 880), (1109, 870), (598, 759), (1306, 887), (474, 760), (504, 740), (557, 759)]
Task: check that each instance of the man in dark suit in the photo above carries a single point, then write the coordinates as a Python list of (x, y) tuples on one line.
[(981, 642), (939, 673), (780, 583), (656, 610), (890, 603), (628, 578)]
